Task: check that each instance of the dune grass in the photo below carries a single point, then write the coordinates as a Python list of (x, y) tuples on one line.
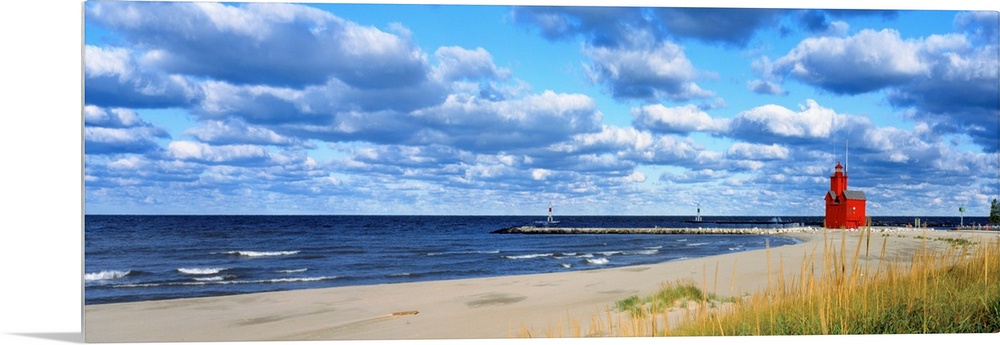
[(838, 291), (679, 294), (947, 292)]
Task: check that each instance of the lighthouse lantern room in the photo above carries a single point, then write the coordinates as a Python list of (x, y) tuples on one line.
[(845, 209)]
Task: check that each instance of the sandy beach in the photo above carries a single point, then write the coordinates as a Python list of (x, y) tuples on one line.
[(482, 308)]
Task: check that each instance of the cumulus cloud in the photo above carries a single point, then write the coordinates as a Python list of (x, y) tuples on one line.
[(696, 176), (770, 79), (757, 151), (600, 26), (225, 154), (635, 146), (118, 130), (949, 80), (766, 87), (628, 47), (677, 120), (652, 72), (960, 94), (482, 125), (612, 26), (457, 63), (868, 61), (729, 26), (434, 157), (408, 128), (114, 78), (980, 25), (238, 132), (291, 45), (825, 20), (812, 123)]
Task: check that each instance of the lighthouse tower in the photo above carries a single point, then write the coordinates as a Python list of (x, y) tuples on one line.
[(845, 209)]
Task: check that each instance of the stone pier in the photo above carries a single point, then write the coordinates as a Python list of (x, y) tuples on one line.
[(651, 231)]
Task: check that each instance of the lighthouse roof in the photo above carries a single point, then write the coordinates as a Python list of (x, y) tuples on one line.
[(854, 195)]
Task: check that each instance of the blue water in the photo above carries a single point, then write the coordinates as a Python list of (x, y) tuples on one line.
[(137, 258)]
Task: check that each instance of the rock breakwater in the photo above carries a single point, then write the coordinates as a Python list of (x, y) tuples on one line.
[(719, 231)]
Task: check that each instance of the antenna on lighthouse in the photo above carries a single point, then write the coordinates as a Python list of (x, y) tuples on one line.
[(847, 155)]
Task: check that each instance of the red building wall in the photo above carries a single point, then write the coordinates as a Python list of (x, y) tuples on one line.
[(855, 213), (843, 210)]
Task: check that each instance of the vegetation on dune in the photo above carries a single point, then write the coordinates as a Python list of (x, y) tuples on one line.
[(953, 290), (671, 296)]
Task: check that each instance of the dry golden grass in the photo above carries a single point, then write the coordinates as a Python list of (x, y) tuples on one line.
[(837, 291)]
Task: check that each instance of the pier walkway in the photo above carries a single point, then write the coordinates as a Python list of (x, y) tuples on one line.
[(719, 231)]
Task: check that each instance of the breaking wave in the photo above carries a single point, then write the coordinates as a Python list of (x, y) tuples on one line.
[(201, 271), (106, 275), (528, 256), (254, 254), (597, 261)]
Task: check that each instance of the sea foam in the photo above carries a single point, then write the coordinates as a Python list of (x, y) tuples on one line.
[(105, 275), (200, 271), (254, 254), (598, 261), (528, 256)]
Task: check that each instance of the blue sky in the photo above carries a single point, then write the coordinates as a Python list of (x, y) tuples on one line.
[(313, 108)]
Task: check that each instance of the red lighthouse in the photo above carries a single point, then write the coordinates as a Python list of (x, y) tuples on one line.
[(844, 208)]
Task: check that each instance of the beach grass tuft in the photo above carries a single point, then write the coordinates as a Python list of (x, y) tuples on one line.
[(671, 296)]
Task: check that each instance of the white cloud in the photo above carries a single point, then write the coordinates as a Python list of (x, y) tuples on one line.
[(237, 132), (540, 174), (413, 130), (634, 177), (765, 87), (867, 61), (456, 63), (228, 154), (292, 45), (812, 121), (647, 72), (532, 121), (114, 117), (757, 152), (107, 62), (118, 130), (683, 119)]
